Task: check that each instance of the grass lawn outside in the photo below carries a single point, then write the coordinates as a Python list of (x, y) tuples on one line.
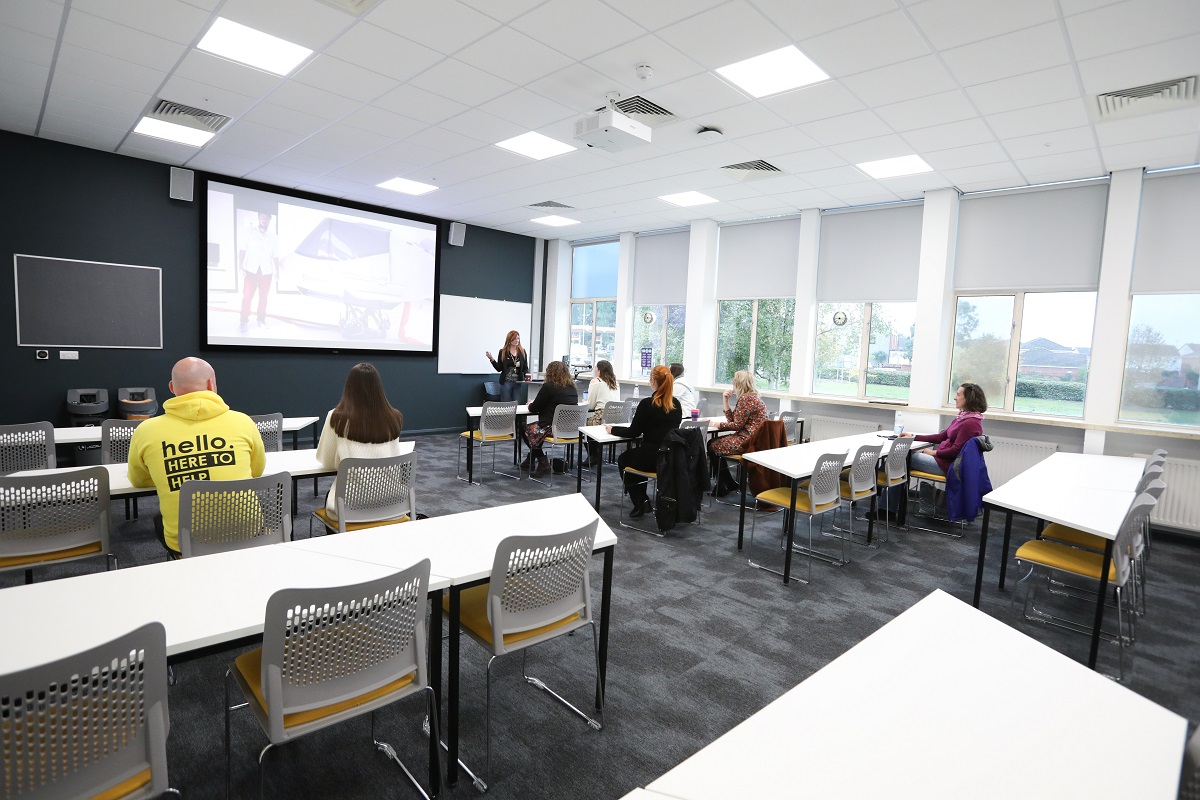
[(850, 389)]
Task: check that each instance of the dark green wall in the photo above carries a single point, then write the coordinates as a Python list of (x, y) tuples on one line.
[(71, 202)]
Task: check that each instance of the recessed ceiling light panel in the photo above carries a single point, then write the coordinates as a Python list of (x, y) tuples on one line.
[(535, 145), (895, 167), (688, 199), (181, 134), (774, 72), (555, 221), (254, 48), (405, 186)]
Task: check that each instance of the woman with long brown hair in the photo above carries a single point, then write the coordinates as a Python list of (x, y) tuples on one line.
[(513, 366), (363, 425), (656, 416), (603, 389), (558, 389)]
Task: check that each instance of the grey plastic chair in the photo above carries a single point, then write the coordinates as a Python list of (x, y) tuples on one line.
[(115, 435), (564, 433), (270, 427), (89, 723), (795, 426), (53, 519), (218, 516), (858, 482), (372, 491), (617, 412), (820, 496), (893, 474), (538, 590), (497, 424), (330, 654), (29, 445)]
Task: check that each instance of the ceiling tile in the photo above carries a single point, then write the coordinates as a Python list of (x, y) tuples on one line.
[(1016, 53), (343, 78), (963, 157), (808, 161), (312, 100), (168, 19), (513, 56), (742, 120), (376, 120), (106, 69), (777, 142), (1171, 151), (81, 89), (483, 127), (248, 140), (419, 104), (527, 110), (838, 176), (917, 77), (1047, 144), (100, 136), (803, 19), (578, 28), (984, 172), (925, 112), (461, 82), (954, 134), (1070, 7), (867, 45), (226, 164), (39, 17), (209, 98), (889, 146), (383, 52), (24, 47), (91, 114), (577, 87), (909, 185), (619, 64), (1135, 23), (660, 13), (811, 103), (846, 128), (442, 140), (23, 75), (1152, 126), (111, 39), (725, 35), (1063, 166), (504, 10), (1032, 89), (286, 119), (159, 150), (951, 23), (304, 22), (1038, 119), (1160, 62), (693, 97), (447, 25), (210, 70)]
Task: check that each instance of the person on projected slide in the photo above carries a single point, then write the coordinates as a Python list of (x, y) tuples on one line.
[(258, 259)]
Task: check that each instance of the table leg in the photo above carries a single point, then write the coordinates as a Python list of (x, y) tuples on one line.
[(295, 440), (471, 449), (983, 534), (452, 689), (579, 463), (742, 470), (1100, 595), (1008, 515), (434, 639), (871, 516), (605, 610), (599, 472), (791, 535), (294, 501)]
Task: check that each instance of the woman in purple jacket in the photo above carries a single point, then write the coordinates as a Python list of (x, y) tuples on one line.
[(971, 403)]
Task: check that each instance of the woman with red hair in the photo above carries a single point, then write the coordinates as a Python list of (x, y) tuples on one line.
[(654, 418)]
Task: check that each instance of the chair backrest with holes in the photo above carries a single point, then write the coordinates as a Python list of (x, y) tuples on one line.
[(823, 486), (862, 471), (29, 445), (374, 489), (896, 465), (498, 420), (616, 412), (115, 435), (217, 516), (566, 422), (270, 427), (51, 513)]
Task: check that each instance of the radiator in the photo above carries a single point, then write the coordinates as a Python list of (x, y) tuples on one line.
[(1179, 506), (1011, 457), (832, 427)]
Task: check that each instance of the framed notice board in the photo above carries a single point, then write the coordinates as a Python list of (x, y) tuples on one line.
[(62, 302)]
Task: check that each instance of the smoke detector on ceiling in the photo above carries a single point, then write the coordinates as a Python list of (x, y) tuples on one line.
[(709, 134)]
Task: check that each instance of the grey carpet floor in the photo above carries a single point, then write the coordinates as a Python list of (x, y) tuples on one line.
[(699, 642)]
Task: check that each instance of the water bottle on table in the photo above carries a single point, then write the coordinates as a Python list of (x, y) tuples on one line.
[(899, 426)]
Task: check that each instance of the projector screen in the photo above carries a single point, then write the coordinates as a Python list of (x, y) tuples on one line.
[(289, 272)]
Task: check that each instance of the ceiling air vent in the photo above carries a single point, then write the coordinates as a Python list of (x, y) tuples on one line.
[(642, 110), (1147, 99), (751, 171), (549, 204), (188, 116)]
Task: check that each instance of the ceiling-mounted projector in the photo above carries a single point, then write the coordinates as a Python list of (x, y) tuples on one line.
[(611, 130)]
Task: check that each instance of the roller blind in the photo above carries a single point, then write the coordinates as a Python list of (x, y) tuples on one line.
[(660, 269), (1046, 239), (1167, 255), (758, 259), (870, 256)]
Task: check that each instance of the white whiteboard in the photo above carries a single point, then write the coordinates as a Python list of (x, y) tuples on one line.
[(471, 326)]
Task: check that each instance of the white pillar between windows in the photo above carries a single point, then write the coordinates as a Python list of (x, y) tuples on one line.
[(558, 301), (1106, 368), (805, 329), (538, 311), (700, 329), (933, 335), (625, 308)]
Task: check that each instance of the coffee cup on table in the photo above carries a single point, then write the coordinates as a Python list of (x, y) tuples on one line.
[(695, 414), (528, 376)]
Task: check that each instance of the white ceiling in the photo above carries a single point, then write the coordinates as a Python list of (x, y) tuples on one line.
[(991, 94)]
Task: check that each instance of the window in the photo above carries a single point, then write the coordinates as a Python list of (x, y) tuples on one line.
[(593, 303), (1162, 360), (659, 328), (756, 335), (1028, 351), (864, 350)]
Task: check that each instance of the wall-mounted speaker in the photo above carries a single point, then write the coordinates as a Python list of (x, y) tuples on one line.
[(182, 181), (458, 233)]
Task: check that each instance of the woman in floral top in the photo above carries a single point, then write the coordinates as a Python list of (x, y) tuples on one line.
[(746, 417)]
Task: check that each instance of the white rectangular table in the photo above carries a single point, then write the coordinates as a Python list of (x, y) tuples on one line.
[(1088, 492), (926, 707), (797, 462), (598, 435), (473, 415), (90, 434), (462, 547)]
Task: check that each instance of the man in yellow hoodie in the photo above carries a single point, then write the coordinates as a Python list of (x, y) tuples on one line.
[(196, 438)]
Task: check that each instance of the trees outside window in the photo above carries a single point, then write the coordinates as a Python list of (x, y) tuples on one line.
[(756, 335), (1162, 360), (661, 329), (864, 350)]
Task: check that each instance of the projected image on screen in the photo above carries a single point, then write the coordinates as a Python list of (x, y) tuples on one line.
[(287, 272)]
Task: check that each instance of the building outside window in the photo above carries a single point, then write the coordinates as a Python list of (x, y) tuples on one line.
[(593, 303), (756, 335), (1162, 360)]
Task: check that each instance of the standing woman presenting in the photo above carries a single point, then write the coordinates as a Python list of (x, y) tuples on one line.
[(512, 366)]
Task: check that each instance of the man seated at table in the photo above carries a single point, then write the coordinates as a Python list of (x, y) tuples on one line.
[(196, 438)]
